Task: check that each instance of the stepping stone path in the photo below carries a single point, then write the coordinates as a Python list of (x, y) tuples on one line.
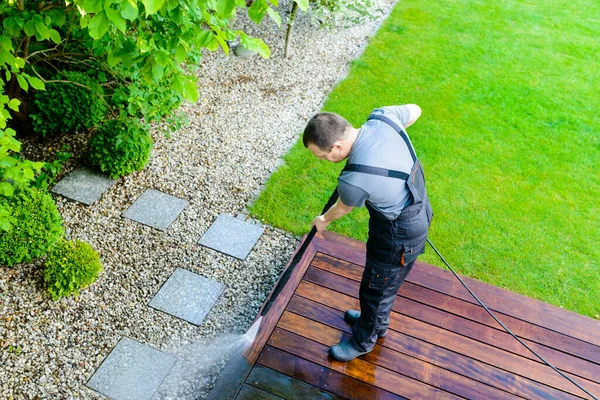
[(188, 296), (231, 236), (155, 209), (83, 185), (132, 371)]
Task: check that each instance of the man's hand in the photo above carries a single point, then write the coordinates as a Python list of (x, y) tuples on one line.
[(320, 223)]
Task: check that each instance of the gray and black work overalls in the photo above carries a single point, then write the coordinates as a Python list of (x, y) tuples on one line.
[(392, 247)]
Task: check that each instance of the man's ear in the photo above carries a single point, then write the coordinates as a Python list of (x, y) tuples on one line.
[(338, 145)]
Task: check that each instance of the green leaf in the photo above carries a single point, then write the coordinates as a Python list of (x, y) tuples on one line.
[(257, 10), (29, 28), (129, 9), (14, 104), (223, 44), (303, 4), (22, 83), (98, 25), (42, 29), (225, 7), (55, 36), (158, 71), (36, 83), (6, 189), (152, 6), (180, 53), (274, 2), (116, 18), (190, 91), (256, 45), (274, 16), (92, 6)]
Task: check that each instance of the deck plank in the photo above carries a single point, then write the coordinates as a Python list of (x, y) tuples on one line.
[(441, 344), (514, 304), (321, 377), (451, 341), (357, 368), (474, 312), (437, 355), (466, 327), (395, 361)]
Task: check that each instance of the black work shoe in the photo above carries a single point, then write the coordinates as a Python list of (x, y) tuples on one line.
[(344, 351), (351, 316)]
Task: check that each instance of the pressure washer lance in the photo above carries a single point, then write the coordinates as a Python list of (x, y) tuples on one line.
[(298, 256)]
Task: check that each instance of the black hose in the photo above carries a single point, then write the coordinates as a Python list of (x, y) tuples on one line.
[(504, 326)]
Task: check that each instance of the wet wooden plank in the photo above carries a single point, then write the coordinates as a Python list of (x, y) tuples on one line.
[(456, 323), (473, 311), (452, 341), (268, 322), (322, 377), (437, 355), (248, 392), (395, 361), (516, 305), (357, 368), (285, 386)]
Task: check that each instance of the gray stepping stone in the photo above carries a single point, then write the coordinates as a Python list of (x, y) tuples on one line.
[(187, 295), (231, 236), (83, 185), (155, 209), (132, 370)]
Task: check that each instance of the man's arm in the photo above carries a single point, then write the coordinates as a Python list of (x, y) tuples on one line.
[(338, 210), (415, 113)]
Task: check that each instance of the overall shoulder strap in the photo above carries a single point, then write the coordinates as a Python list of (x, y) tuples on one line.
[(397, 128), (367, 169)]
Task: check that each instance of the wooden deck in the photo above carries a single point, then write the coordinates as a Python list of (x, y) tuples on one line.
[(440, 343)]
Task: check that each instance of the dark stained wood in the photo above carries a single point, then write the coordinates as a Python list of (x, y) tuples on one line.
[(516, 305), (440, 344), (322, 377), (267, 323), (458, 324), (357, 368), (451, 341), (476, 313), (396, 361), (437, 355), (285, 386), (248, 392)]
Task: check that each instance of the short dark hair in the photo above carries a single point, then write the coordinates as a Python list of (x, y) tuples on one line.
[(324, 129)]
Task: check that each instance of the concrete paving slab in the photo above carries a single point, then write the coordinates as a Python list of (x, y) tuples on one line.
[(188, 296), (232, 236), (83, 185), (132, 370), (155, 209)]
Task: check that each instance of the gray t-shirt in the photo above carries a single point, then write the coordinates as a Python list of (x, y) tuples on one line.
[(379, 145)]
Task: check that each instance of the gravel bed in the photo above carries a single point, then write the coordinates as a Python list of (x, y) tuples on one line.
[(250, 112)]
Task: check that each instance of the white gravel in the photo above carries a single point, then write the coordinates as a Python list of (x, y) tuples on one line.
[(250, 112)]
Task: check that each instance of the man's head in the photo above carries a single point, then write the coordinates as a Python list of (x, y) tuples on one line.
[(329, 136)]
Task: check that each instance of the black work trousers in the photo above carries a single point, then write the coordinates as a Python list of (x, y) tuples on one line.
[(392, 249)]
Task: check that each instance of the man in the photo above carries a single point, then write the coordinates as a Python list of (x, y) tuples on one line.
[(383, 174)]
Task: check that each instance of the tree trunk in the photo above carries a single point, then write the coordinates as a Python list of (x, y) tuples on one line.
[(288, 35)]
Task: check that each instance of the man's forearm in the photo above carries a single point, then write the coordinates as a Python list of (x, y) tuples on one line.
[(338, 210)]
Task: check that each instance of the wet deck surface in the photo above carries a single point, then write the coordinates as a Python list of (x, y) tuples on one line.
[(440, 343)]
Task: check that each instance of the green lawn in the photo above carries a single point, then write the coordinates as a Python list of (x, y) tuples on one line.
[(509, 137)]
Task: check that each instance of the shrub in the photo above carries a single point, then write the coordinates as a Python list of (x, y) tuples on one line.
[(37, 225), (70, 266), (120, 146), (68, 107)]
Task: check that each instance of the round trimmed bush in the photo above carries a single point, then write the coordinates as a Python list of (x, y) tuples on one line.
[(64, 107), (37, 225), (120, 146), (70, 266)]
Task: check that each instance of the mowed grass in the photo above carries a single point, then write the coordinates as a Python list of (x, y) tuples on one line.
[(509, 137)]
